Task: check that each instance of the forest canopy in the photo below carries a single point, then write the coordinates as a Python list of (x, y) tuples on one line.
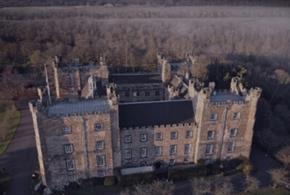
[(141, 2), (132, 35)]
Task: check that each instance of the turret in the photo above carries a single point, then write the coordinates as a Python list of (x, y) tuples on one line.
[(236, 86), (165, 71), (55, 64), (112, 95)]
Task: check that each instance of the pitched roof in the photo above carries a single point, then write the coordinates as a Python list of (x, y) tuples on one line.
[(80, 107), (133, 78), (226, 96), (155, 113)]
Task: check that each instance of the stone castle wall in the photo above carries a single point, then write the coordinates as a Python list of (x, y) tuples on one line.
[(84, 138), (152, 142), (140, 92)]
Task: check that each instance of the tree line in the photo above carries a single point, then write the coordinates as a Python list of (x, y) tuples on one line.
[(140, 2)]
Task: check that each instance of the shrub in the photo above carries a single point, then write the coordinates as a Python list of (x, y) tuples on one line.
[(128, 180), (247, 167), (109, 181)]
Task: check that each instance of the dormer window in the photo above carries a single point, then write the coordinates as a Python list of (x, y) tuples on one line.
[(213, 116), (98, 126)]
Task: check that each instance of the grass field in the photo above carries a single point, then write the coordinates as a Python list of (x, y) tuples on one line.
[(9, 121)]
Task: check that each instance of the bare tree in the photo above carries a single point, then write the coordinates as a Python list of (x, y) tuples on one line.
[(251, 184), (157, 187), (279, 177)]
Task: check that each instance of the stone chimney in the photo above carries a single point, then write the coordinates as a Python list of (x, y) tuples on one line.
[(236, 86), (165, 71), (111, 94), (40, 94), (55, 66), (211, 86)]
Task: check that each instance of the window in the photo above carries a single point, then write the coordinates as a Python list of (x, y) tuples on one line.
[(210, 135), (236, 115), (158, 136), (231, 146), (157, 93), (100, 145), (172, 149), (70, 165), (173, 135), (143, 137), (187, 148), (128, 139), (66, 130), (158, 150), (68, 148), (147, 93), (135, 93), (101, 160), (233, 132), (189, 134), (127, 94), (98, 126), (209, 149), (127, 154), (171, 161), (143, 152), (101, 173), (213, 116)]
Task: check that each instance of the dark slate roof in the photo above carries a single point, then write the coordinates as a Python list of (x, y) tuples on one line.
[(226, 96), (80, 107), (133, 78), (155, 113)]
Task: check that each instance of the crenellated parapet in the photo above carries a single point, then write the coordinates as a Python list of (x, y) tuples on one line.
[(164, 126)]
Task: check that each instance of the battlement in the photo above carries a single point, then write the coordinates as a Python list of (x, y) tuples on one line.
[(189, 125)]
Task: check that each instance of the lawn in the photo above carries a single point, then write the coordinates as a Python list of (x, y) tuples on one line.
[(9, 121)]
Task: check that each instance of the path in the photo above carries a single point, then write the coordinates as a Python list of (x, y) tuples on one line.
[(20, 157)]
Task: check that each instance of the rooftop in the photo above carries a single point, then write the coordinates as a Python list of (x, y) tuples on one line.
[(80, 107), (133, 78), (221, 96), (155, 113)]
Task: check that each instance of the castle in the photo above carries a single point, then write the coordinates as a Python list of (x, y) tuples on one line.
[(90, 121)]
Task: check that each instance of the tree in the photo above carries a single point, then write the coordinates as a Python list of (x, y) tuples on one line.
[(201, 186), (279, 177), (251, 184), (157, 187)]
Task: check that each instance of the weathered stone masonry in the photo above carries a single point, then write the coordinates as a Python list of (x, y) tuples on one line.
[(99, 121)]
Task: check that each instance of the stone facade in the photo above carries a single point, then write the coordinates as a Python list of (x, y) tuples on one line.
[(157, 144), (109, 126)]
